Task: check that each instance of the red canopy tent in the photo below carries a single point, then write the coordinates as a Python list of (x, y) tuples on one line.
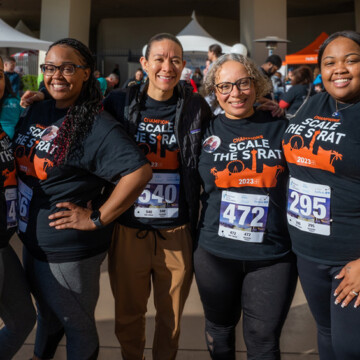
[(308, 55)]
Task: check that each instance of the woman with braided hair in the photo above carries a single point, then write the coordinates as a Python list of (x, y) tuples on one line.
[(69, 152)]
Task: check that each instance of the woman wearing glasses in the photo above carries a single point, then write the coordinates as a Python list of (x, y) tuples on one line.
[(243, 263), (68, 153)]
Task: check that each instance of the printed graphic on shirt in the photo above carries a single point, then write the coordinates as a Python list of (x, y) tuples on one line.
[(211, 144), (304, 149), (8, 173), (157, 139), (246, 163), (34, 150)]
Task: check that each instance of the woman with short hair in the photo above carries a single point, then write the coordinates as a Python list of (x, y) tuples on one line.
[(243, 263)]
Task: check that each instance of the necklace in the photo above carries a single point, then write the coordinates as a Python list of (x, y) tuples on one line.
[(336, 112)]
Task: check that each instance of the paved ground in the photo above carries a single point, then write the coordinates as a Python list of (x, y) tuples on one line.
[(298, 341)]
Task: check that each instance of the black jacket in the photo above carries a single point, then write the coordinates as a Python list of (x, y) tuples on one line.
[(192, 117)]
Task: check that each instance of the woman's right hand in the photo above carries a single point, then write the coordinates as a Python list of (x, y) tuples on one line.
[(30, 97)]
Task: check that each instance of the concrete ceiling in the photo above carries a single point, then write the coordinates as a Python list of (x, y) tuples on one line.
[(29, 11)]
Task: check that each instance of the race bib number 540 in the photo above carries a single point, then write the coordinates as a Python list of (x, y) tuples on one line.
[(160, 198), (309, 207), (243, 216)]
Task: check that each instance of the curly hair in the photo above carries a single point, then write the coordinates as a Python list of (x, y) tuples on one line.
[(261, 83), (81, 115)]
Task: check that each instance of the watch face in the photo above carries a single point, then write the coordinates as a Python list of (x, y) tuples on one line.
[(95, 215)]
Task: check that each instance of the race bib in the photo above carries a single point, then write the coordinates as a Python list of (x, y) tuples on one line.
[(243, 216), (160, 198), (308, 207), (11, 207), (25, 195)]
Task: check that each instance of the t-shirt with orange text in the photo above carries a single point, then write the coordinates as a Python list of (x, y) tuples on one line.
[(244, 176)]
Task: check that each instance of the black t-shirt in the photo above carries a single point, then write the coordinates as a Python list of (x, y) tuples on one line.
[(295, 96), (244, 176), (322, 149), (8, 197), (162, 203), (108, 154)]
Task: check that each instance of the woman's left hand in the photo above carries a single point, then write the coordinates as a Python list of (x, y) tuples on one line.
[(273, 106), (349, 288), (76, 217)]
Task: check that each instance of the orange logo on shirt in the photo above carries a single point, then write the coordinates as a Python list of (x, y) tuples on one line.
[(167, 161), (236, 175), (31, 164), (297, 153), (10, 177)]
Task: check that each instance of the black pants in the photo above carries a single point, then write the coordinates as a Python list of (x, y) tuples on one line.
[(262, 290), (338, 328)]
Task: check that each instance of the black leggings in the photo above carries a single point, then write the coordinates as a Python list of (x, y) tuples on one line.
[(262, 290), (338, 328)]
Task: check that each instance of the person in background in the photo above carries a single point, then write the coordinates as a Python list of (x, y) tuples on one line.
[(102, 81), (300, 91), (214, 52), (112, 82), (10, 109), (322, 146), (197, 77), (267, 102), (78, 171), (136, 80), (186, 78), (16, 308), (278, 85), (9, 67), (243, 262), (318, 84)]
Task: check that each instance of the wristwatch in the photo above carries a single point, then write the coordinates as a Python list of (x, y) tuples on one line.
[(95, 218)]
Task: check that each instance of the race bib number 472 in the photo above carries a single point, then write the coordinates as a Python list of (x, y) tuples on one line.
[(243, 216), (308, 207)]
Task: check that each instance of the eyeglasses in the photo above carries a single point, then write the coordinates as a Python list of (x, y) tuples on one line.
[(225, 88), (65, 69)]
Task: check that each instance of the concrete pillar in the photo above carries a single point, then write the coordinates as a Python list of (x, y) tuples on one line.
[(357, 15), (65, 18), (261, 18)]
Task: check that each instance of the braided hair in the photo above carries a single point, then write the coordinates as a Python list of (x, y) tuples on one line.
[(81, 115)]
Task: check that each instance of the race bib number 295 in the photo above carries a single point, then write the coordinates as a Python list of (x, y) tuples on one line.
[(309, 207)]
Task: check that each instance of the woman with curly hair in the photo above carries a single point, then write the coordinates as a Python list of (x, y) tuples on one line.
[(243, 263), (70, 154)]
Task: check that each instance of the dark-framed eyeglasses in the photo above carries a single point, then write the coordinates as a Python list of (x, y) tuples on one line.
[(65, 69), (242, 84)]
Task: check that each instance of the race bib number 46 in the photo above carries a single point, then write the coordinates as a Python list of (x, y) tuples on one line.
[(160, 198), (243, 216), (309, 207), (25, 195)]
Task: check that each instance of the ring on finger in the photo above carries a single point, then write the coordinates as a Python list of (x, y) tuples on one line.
[(354, 292)]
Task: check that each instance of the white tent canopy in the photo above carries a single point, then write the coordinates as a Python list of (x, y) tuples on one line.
[(12, 38), (195, 38)]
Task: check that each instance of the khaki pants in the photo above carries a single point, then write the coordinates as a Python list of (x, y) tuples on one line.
[(135, 258)]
